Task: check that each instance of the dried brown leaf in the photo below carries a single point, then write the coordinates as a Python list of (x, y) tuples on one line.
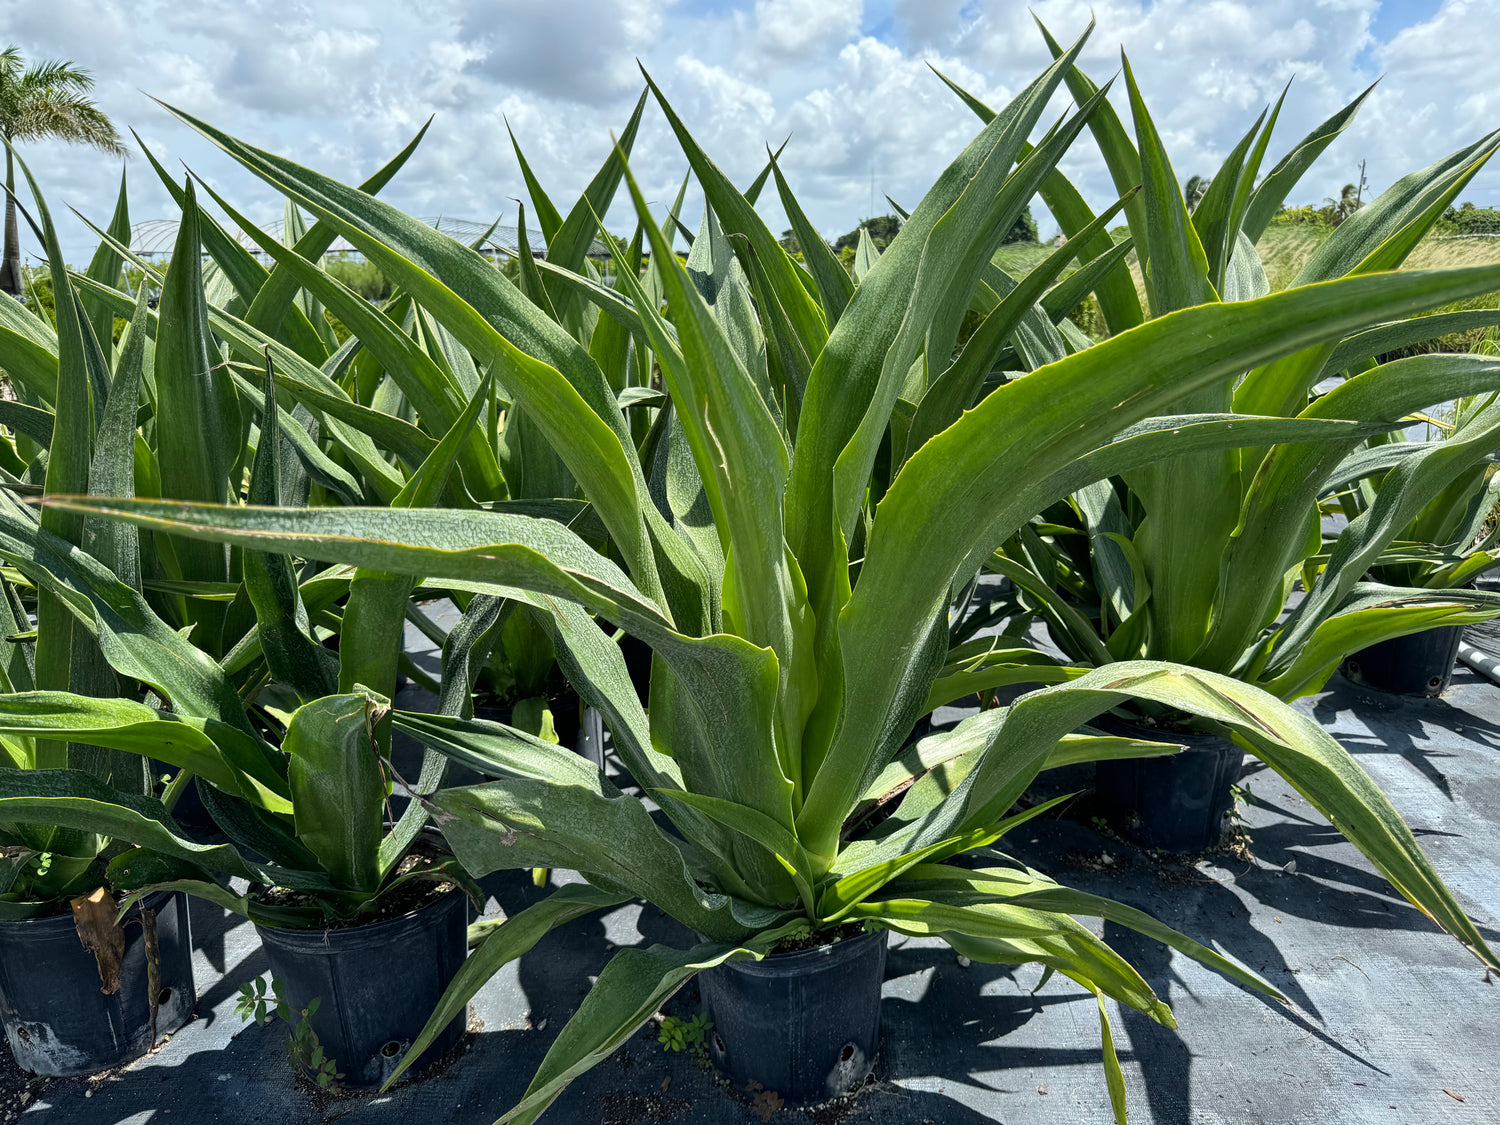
[(766, 1103), (94, 919)]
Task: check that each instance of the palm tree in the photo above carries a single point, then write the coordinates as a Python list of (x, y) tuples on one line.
[(48, 99), (1345, 205)]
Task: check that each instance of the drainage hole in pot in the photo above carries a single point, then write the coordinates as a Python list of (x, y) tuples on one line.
[(718, 1043), (847, 1053), (1353, 667), (391, 1049), (1436, 681), (25, 1036), (163, 997)]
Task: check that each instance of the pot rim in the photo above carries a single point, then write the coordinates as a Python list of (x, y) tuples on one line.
[(803, 960), (152, 901), (325, 940)]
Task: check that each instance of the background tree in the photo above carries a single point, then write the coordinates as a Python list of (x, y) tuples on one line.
[(1348, 202), (1194, 190), (1022, 230), (882, 228), (48, 99)]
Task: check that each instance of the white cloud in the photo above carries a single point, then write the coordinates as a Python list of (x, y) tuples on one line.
[(795, 27), (342, 84)]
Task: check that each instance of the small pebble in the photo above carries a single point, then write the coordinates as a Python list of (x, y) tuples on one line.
[(963, 962)]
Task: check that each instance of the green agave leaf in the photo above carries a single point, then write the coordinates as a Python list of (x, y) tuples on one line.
[(970, 487), (1190, 499), (30, 351), (857, 378), (1292, 744), (547, 213), (135, 641), (104, 266), (32, 421), (301, 457), (952, 259), (373, 622), (1109, 132), (1384, 232), (568, 247), (841, 896), (582, 824), (1386, 229), (350, 423), (742, 462), (1024, 935), (112, 468), (1217, 216), (1411, 486), (530, 277), (496, 553), (1113, 284), (76, 800), (752, 193), (1177, 269), (634, 984), (1028, 889), (513, 938), (66, 658), (563, 390), (1114, 1076), (773, 837), (338, 786), (198, 428), (1269, 197), (1372, 613), (994, 668), (753, 241), (941, 751), (835, 287), (1091, 277), (292, 654), (435, 393), (1270, 538), (274, 300), (1392, 337), (220, 755), (952, 392)]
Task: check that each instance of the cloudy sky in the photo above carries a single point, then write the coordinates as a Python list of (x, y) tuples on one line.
[(343, 84)]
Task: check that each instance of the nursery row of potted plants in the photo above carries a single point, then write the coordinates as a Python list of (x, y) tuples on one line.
[(739, 503)]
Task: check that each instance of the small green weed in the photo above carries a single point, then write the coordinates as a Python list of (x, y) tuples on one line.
[(262, 1002), (685, 1035)]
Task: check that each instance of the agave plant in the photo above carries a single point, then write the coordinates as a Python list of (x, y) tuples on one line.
[(1192, 558), (90, 436), (115, 684), (798, 613), (1452, 540), (304, 804)]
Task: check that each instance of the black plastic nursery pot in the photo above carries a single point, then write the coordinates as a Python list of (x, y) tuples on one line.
[(1178, 803), (376, 985), (1416, 664), (805, 1025), (58, 1019)]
